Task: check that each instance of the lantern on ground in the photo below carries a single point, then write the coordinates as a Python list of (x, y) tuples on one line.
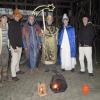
[(85, 89), (42, 89), (58, 83)]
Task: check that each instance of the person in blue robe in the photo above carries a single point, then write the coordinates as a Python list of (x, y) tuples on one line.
[(32, 41), (66, 45)]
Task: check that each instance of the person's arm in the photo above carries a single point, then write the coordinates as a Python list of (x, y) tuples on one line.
[(78, 37), (60, 35), (11, 36), (73, 41), (56, 35), (92, 31), (39, 35), (40, 40), (74, 38), (38, 30), (23, 37)]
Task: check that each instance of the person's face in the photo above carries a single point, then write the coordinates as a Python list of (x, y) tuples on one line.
[(85, 20), (4, 19), (50, 21), (16, 18), (31, 19), (65, 21)]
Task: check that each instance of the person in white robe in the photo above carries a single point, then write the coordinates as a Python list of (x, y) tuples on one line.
[(67, 45)]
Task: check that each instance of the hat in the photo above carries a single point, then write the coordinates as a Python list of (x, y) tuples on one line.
[(16, 13), (65, 17), (86, 15)]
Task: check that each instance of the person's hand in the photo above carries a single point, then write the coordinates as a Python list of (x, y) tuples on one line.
[(42, 35), (26, 49), (54, 34), (15, 50), (79, 44), (39, 46)]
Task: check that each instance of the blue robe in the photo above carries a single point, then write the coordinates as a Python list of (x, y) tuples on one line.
[(32, 41), (71, 36)]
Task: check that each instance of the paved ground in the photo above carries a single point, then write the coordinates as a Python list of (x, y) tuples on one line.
[(26, 87)]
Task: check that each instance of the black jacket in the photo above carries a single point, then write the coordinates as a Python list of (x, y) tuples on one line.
[(86, 35), (15, 34)]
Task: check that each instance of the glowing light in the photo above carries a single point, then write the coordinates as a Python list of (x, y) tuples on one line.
[(85, 89), (55, 86), (42, 89)]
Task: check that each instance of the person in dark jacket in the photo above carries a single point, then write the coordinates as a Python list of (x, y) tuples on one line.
[(85, 37), (15, 38)]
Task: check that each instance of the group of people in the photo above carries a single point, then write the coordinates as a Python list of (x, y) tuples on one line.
[(54, 43), (67, 45)]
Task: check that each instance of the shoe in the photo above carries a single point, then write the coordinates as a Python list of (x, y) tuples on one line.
[(47, 70), (20, 72), (36, 69), (91, 74), (73, 70), (31, 71), (5, 78), (15, 78), (63, 70), (82, 72)]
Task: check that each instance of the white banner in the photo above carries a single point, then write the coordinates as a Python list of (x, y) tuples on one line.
[(9, 11)]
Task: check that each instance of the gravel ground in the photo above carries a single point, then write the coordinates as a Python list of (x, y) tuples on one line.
[(26, 87)]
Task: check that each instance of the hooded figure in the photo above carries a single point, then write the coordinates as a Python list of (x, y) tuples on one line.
[(67, 45), (32, 41)]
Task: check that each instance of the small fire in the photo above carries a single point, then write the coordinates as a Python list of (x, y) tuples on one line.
[(41, 89), (55, 86)]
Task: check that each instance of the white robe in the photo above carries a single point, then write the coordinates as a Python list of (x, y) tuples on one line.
[(67, 62)]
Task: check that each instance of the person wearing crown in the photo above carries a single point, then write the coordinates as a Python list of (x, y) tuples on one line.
[(50, 42), (67, 45)]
